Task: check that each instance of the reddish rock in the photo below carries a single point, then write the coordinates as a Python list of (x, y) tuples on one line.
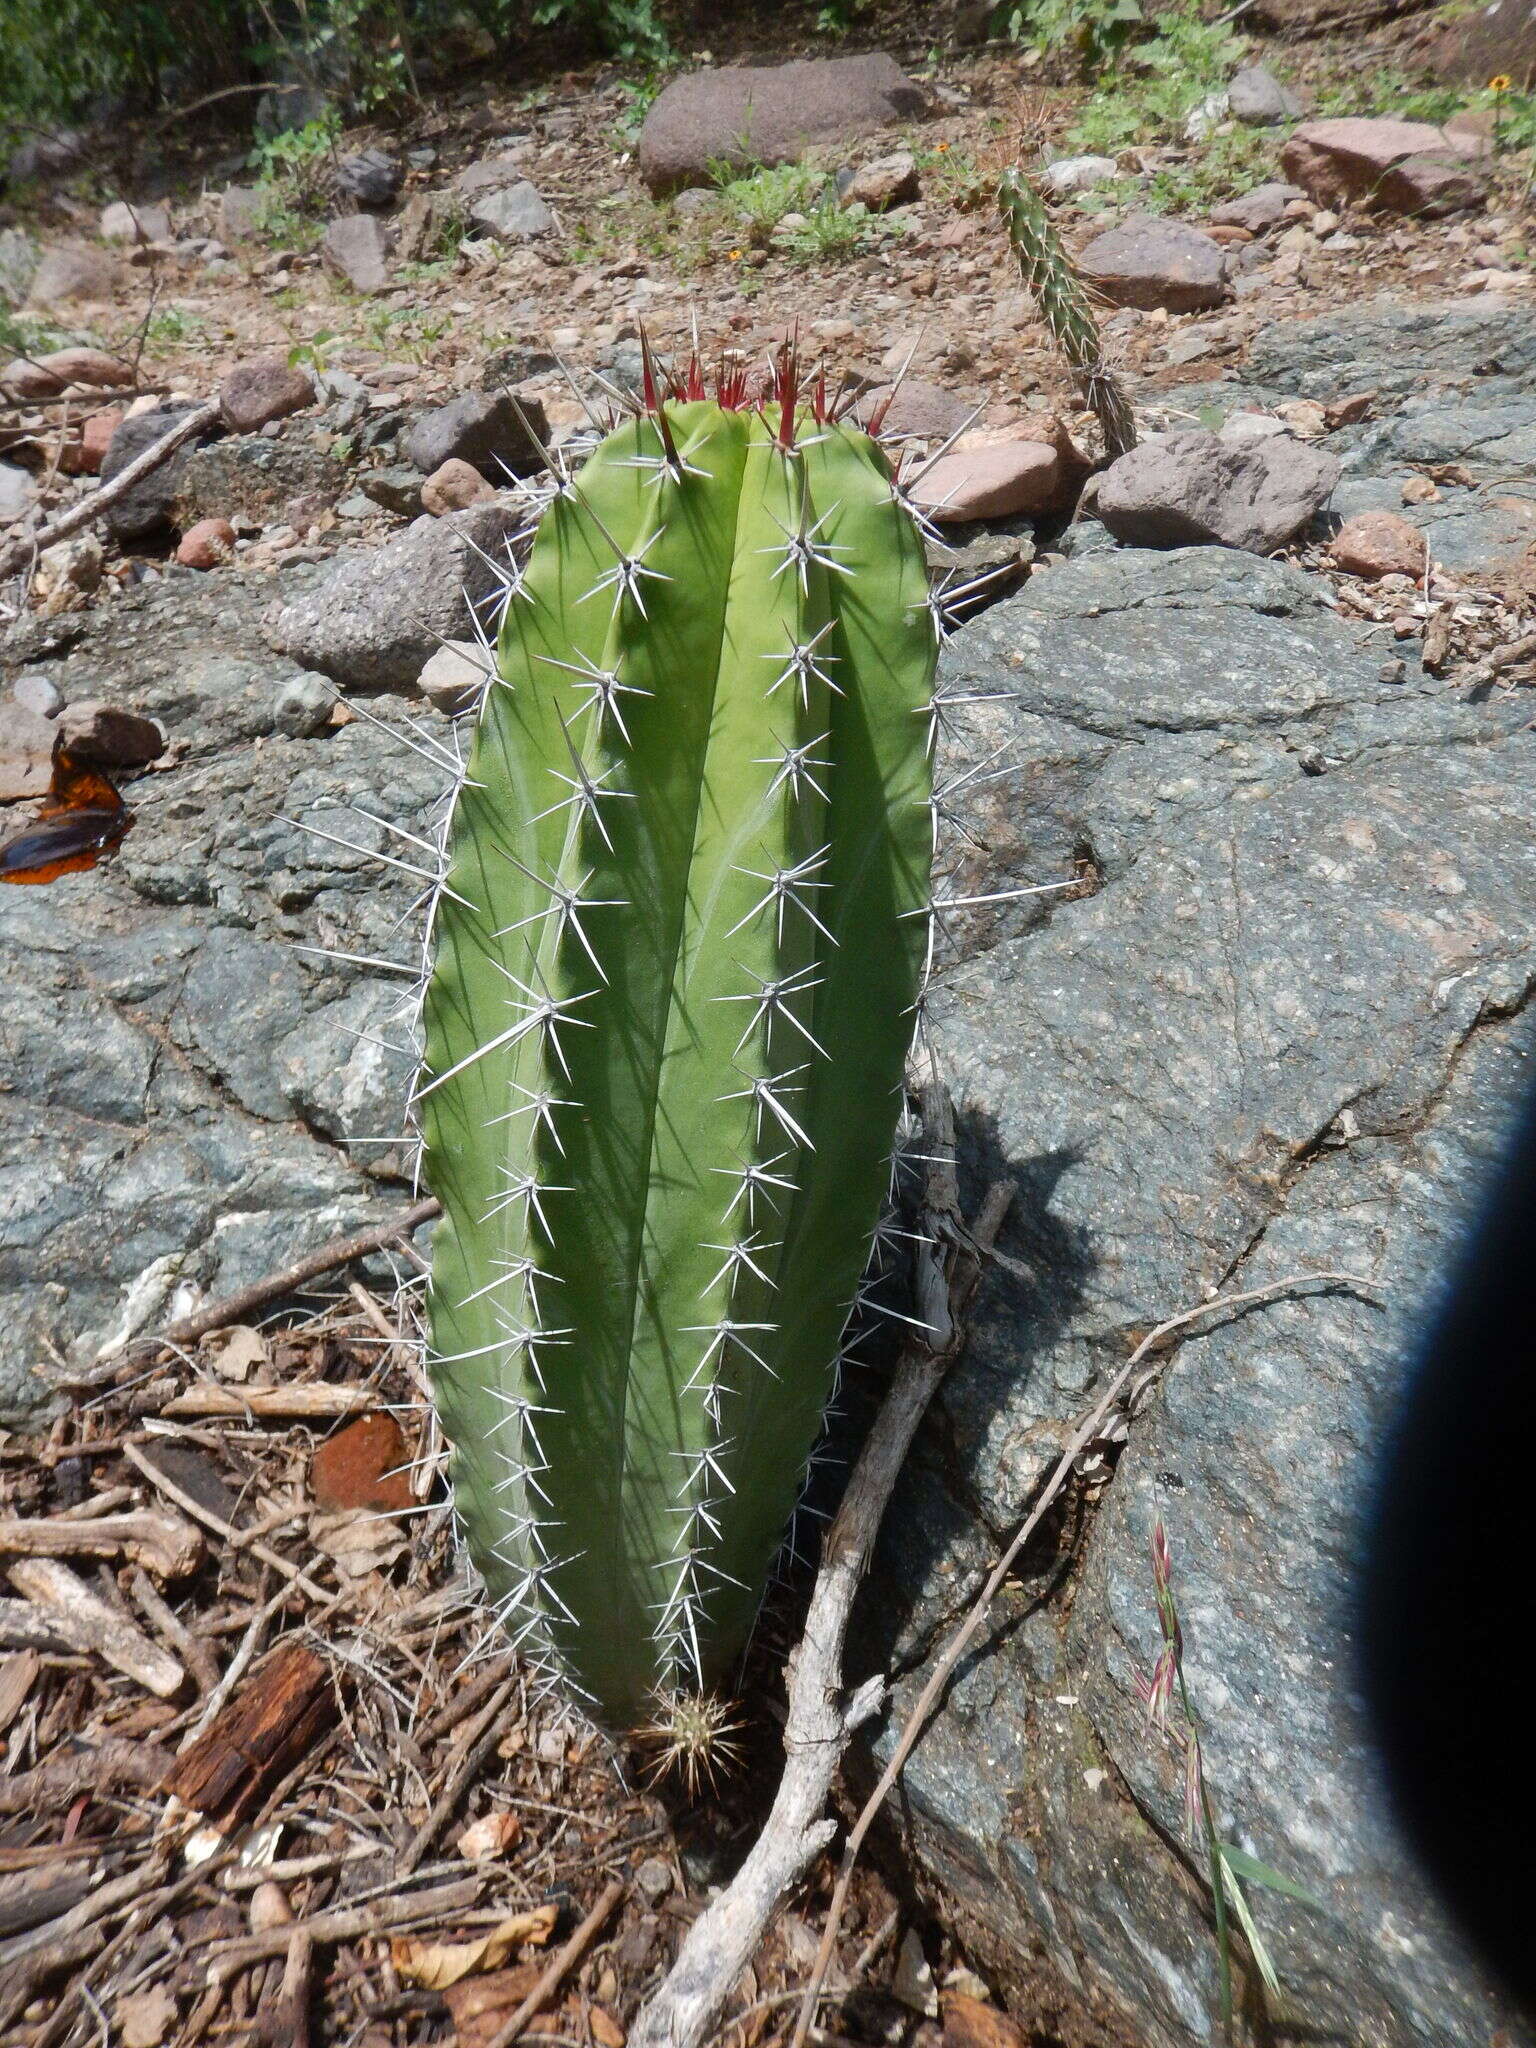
[(1257, 211), (106, 736), (86, 451), (362, 1466), (453, 487), (46, 376), (268, 389), (206, 545), (1398, 166), (1153, 263), (356, 249), (1376, 544), (997, 480), (768, 114)]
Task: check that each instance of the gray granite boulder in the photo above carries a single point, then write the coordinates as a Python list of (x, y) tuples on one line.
[(768, 114), (1281, 1034), (1192, 487), (370, 617)]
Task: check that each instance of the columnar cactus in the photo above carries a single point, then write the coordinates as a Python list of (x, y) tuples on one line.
[(1058, 292), (673, 965)]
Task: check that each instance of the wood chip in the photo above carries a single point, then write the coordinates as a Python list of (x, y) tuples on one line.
[(313, 1403), (275, 1719), (91, 1625)]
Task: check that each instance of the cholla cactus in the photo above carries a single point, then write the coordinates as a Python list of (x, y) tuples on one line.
[(1058, 292), (673, 965)]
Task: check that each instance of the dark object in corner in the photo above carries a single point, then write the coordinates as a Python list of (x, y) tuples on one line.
[(1448, 1592), (82, 818)]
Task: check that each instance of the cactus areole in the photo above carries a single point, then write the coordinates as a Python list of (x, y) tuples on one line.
[(673, 970)]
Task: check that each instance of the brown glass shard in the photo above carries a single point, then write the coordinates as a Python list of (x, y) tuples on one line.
[(81, 818)]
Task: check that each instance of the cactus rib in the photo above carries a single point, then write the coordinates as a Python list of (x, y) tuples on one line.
[(673, 966)]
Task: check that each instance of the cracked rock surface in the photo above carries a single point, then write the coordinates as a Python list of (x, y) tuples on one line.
[(1281, 1034), (180, 1080)]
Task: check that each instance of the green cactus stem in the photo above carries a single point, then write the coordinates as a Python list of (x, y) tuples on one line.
[(674, 961), (1058, 291)]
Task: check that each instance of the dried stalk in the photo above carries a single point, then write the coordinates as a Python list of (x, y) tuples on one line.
[(821, 1719)]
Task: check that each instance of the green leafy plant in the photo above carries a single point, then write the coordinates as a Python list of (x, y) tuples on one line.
[(1093, 31), (755, 201), (1171, 1711), (314, 354), (1150, 87), (1059, 294), (674, 958)]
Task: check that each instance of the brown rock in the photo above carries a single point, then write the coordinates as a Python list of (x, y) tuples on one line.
[(1259, 210), (1492, 40), (106, 736), (1399, 166), (26, 753), (454, 486), (751, 114), (46, 376), (970, 2024), (1376, 544), (1420, 490), (915, 409), (1230, 237), (67, 275), (207, 545), (362, 1466), (1154, 263), (888, 181), (267, 389), (356, 249), (996, 480)]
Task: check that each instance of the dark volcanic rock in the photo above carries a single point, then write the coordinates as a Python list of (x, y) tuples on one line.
[(768, 114), (494, 431), (1281, 1036), (148, 507)]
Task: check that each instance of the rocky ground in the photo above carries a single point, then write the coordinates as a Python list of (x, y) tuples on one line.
[(1266, 695)]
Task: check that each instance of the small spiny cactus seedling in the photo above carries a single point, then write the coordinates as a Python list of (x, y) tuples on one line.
[(674, 959), (1058, 291)]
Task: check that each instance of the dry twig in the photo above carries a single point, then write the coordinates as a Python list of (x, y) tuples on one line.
[(560, 1965), (89, 509)]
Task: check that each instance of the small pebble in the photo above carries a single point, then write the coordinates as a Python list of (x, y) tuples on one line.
[(301, 705), (206, 545), (37, 693), (1393, 672)]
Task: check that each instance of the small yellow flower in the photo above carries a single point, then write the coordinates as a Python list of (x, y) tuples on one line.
[(940, 147), (734, 256), (1500, 84)]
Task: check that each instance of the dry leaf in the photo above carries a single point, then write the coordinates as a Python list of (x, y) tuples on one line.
[(240, 1351), (147, 2018), (489, 1837), (359, 1541), (968, 2023), (434, 1965), (606, 2030), (481, 2006)]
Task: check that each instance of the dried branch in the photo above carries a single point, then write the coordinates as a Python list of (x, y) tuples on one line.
[(821, 1719), (90, 508), (234, 1308), (166, 1544), (560, 1965), (917, 1720), (86, 1621)]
